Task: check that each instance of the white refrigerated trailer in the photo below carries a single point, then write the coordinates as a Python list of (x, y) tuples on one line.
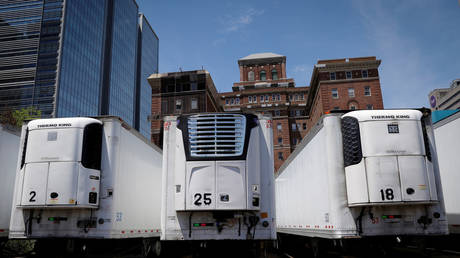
[(362, 174), (447, 132), (9, 147), (218, 179), (86, 178)]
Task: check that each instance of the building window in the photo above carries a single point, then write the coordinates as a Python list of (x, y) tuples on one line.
[(370, 106), (261, 98), (263, 75), (290, 97), (367, 91), (351, 92), (294, 127), (304, 126), (193, 86), (364, 73), (278, 96), (302, 96), (267, 98), (280, 140), (178, 104), (348, 73), (273, 97), (336, 108), (332, 75), (164, 107), (277, 113), (279, 127), (280, 156), (335, 94), (274, 74), (250, 76), (232, 101), (250, 99), (227, 101), (296, 97), (298, 112), (352, 106), (295, 141), (237, 101), (254, 99), (194, 103)]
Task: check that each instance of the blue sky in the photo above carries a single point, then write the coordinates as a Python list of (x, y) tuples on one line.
[(418, 41)]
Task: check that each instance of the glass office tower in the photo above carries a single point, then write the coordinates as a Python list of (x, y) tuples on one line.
[(148, 62), (20, 26), (73, 58), (81, 59)]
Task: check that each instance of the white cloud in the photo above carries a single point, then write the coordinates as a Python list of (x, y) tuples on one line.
[(301, 68), (405, 76), (234, 23), (219, 41)]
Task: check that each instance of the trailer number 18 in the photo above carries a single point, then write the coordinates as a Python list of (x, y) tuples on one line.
[(387, 194), (206, 199)]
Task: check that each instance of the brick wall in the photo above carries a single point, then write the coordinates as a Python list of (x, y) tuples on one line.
[(244, 70)]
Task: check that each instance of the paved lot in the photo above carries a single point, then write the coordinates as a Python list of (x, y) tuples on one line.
[(240, 251)]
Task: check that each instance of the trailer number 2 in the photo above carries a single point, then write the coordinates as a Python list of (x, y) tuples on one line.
[(387, 194), (32, 196), (206, 199)]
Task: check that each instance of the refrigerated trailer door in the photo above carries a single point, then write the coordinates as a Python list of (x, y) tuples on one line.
[(383, 179), (414, 178), (62, 187), (201, 186), (231, 185), (35, 181)]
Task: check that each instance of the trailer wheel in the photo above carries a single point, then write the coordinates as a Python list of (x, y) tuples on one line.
[(315, 248), (157, 248)]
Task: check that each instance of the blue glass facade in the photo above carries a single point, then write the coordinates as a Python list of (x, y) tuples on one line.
[(149, 65), (123, 62), (48, 56), (77, 58), (20, 24), (81, 59)]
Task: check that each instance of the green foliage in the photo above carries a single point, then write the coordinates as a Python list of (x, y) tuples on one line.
[(12, 248), (17, 117)]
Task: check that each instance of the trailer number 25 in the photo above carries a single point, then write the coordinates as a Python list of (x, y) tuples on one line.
[(206, 199), (387, 194)]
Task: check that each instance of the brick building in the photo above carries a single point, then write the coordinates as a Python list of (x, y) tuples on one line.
[(180, 93), (345, 84), (265, 88), (351, 83)]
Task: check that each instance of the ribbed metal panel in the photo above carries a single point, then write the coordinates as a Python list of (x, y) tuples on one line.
[(216, 135), (15, 44), (22, 2), (17, 60), (21, 28), (23, 14), (17, 73)]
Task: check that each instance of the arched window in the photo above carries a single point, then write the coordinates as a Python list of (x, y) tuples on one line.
[(263, 75), (352, 105), (251, 76), (274, 74)]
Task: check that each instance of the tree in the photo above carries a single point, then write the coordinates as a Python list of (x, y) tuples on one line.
[(17, 117)]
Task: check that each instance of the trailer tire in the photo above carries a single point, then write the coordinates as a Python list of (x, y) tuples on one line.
[(315, 247), (157, 248)]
